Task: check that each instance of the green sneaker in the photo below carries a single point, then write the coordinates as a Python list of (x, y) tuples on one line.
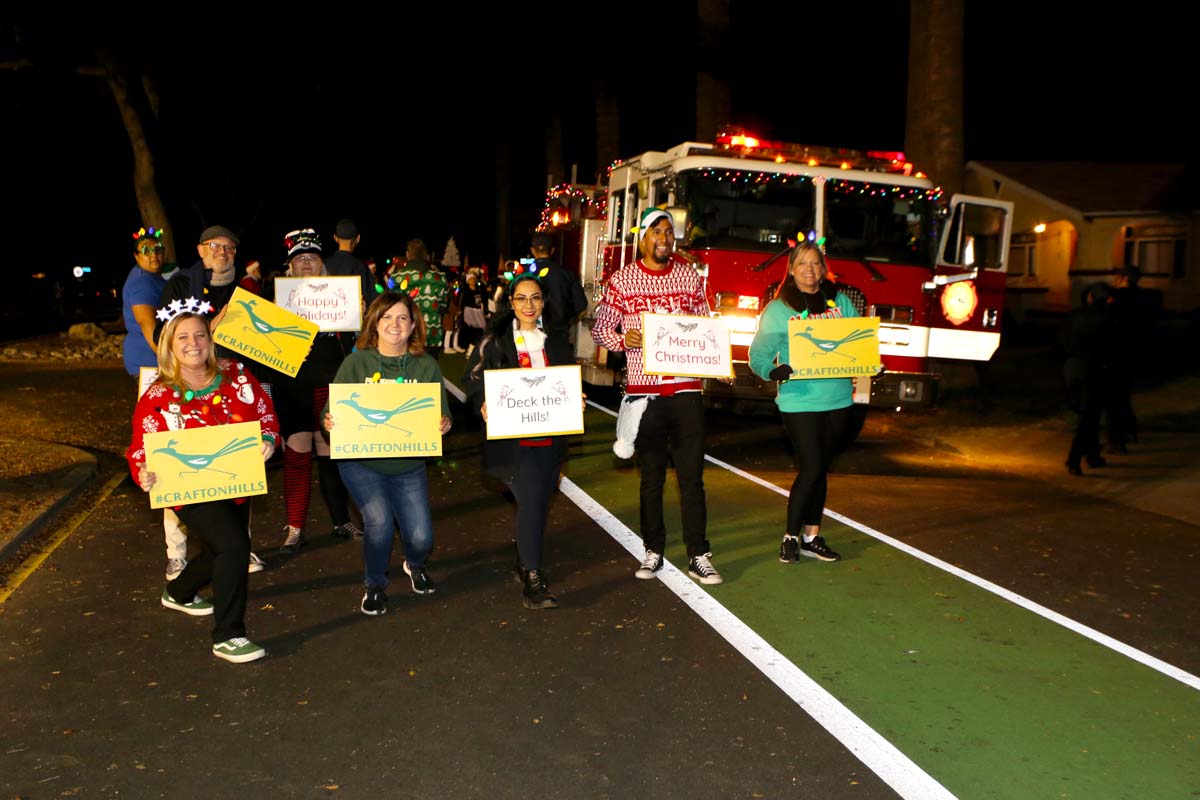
[(239, 650), (197, 608)]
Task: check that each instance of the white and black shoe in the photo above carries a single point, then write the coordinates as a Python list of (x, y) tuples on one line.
[(700, 568), (293, 540), (419, 576), (651, 563), (374, 602)]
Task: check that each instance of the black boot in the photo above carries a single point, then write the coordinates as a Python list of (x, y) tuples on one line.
[(537, 593)]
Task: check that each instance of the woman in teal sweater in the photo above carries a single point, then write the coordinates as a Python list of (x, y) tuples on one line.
[(815, 411)]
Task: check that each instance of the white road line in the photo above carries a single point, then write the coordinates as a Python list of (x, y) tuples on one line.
[(1171, 671), (878, 754)]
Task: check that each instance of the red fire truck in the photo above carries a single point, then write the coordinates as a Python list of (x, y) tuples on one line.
[(931, 268)]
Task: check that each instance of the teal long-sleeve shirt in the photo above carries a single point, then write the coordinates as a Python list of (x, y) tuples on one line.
[(770, 347)]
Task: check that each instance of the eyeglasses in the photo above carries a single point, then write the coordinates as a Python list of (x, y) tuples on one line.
[(149, 249), (524, 299), (307, 258), (217, 246)]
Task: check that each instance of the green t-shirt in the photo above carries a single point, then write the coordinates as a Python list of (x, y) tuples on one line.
[(361, 366)]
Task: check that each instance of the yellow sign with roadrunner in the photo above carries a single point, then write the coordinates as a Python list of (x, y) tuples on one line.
[(833, 348), (197, 465), (385, 420), (264, 332)]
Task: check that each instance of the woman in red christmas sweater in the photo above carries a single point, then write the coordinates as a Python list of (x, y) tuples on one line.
[(196, 390)]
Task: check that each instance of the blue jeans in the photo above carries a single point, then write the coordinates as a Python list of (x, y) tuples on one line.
[(382, 499)]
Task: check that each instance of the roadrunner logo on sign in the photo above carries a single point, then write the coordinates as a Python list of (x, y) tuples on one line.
[(197, 465), (264, 332), (833, 348), (385, 420), (680, 346)]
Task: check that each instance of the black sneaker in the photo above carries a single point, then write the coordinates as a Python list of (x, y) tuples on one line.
[(700, 568), (421, 582), (818, 549), (789, 549), (374, 602), (537, 593), (347, 531)]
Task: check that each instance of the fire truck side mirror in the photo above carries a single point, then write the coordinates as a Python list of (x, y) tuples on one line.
[(679, 216)]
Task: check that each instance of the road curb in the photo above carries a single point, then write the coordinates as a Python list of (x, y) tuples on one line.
[(69, 486)]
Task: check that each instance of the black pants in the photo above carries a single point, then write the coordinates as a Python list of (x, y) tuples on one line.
[(815, 437), (223, 529), (1086, 442), (673, 424), (534, 486)]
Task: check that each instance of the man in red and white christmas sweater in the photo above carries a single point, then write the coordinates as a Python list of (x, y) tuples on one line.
[(673, 416)]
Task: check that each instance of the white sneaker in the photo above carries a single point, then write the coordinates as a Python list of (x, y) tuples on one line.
[(174, 567), (256, 564), (651, 564)]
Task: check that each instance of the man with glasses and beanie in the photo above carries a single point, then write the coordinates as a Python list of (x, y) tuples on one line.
[(671, 411), (213, 277)]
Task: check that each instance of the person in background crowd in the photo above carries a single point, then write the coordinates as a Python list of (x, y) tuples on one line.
[(391, 347), (426, 284), (452, 319), (343, 263), (299, 402), (565, 298), (1087, 373), (528, 467), (672, 422), (474, 305), (195, 390), (815, 412)]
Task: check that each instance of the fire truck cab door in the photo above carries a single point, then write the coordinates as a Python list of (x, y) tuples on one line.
[(967, 290)]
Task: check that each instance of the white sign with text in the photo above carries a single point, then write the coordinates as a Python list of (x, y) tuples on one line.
[(686, 347), (332, 304), (528, 403)]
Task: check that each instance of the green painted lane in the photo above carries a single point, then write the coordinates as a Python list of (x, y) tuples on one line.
[(990, 699)]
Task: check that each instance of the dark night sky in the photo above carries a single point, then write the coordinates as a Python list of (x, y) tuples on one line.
[(268, 124)]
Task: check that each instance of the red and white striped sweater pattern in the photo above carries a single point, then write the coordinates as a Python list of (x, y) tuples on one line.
[(634, 290)]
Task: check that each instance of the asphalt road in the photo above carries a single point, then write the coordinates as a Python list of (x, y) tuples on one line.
[(621, 692)]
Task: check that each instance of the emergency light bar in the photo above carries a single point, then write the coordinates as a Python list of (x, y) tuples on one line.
[(745, 145)]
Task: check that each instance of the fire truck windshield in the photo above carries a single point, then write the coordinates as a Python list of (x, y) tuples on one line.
[(744, 210), (880, 222)]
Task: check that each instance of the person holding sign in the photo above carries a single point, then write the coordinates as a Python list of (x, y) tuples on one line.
[(815, 411), (299, 401), (195, 390), (528, 467), (672, 416), (391, 347)]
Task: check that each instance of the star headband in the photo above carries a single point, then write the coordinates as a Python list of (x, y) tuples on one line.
[(177, 307)]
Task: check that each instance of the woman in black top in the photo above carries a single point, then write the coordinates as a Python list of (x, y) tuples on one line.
[(528, 467)]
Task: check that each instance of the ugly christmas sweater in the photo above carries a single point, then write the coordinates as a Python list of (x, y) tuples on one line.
[(234, 396), (633, 290)]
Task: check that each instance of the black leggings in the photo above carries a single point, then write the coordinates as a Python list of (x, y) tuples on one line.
[(223, 528), (534, 486), (815, 438)]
